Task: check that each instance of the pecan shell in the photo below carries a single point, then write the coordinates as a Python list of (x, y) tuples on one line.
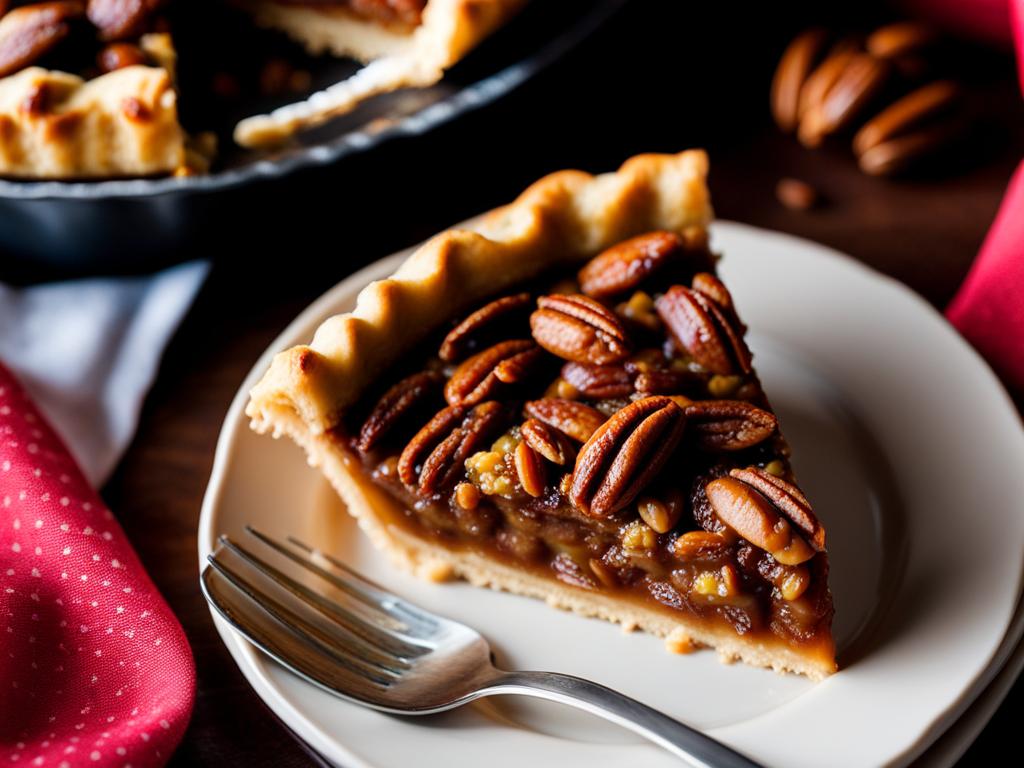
[(599, 382), (27, 32), (624, 454), (728, 425), (394, 405), (700, 327), (579, 329), (577, 420), (465, 337), (624, 266), (479, 377)]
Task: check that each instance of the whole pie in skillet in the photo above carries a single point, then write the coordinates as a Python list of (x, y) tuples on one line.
[(87, 87), (559, 402)]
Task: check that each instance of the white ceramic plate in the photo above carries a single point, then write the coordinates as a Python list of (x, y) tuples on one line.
[(903, 439)]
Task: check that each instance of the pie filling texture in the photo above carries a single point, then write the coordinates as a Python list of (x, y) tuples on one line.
[(606, 429)]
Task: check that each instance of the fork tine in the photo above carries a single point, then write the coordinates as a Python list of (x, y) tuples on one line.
[(356, 586), (373, 637), (290, 620)]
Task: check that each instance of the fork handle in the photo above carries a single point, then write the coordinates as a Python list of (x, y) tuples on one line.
[(679, 739)]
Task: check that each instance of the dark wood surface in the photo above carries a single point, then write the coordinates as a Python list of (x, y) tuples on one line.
[(685, 81)]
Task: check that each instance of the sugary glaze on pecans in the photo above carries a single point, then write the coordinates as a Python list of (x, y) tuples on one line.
[(608, 428)]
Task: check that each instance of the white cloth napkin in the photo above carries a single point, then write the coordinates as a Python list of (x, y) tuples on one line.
[(88, 351)]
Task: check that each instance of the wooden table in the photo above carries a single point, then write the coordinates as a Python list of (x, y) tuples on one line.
[(633, 87)]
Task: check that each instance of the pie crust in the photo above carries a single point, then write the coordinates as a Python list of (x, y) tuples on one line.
[(54, 125), (564, 219), (398, 56)]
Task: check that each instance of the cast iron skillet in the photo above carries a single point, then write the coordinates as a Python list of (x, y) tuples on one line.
[(136, 224)]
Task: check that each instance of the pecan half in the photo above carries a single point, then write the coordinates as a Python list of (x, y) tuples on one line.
[(905, 113), (577, 420), (821, 80), (118, 19), (701, 545), (530, 469), (549, 442), (26, 33), (861, 80), (624, 454), (580, 329), (794, 66), (748, 512), (624, 266), (465, 337), (118, 56), (394, 405), (435, 458), (714, 289), (788, 498), (599, 381), (728, 425), (699, 327), (659, 381), (479, 377), (899, 39)]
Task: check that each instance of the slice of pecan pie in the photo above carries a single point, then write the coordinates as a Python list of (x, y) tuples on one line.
[(560, 403)]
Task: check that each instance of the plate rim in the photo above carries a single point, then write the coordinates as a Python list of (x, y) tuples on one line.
[(467, 99), (245, 655)]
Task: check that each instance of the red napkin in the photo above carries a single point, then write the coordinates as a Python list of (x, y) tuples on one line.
[(94, 668), (989, 307)]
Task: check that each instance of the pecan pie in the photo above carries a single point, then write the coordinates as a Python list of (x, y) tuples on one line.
[(561, 403), (408, 43), (87, 87), (121, 122)]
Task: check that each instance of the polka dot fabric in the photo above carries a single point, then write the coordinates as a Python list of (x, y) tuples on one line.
[(94, 668)]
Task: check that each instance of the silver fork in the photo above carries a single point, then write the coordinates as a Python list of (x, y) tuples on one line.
[(366, 645)]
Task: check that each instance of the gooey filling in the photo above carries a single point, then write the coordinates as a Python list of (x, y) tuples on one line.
[(606, 429)]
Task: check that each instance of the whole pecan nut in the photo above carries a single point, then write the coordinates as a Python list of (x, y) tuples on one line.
[(577, 420), (625, 454), (700, 327), (599, 381), (27, 32), (728, 425), (624, 266), (740, 501), (479, 377), (435, 458), (580, 329), (465, 337), (394, 405)]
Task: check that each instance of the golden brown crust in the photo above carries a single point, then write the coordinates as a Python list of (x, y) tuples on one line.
[(54, 125), (402, 56), (566, 217)]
